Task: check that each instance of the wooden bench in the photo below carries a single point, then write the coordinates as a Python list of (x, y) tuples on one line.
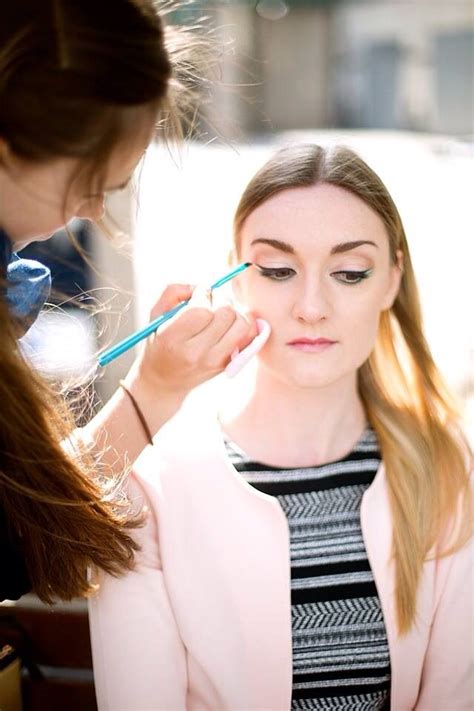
[(54, 645)]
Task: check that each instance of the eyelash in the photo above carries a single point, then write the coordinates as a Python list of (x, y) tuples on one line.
[(284, 273), (358, 276)]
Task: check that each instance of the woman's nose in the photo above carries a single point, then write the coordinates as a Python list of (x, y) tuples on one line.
[(312, 304)]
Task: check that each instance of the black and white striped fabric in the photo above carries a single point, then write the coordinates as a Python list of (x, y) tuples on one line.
[(340, 648)]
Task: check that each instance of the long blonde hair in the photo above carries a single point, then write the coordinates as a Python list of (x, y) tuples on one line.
[(426, 456)]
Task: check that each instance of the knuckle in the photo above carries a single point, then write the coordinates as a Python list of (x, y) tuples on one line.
[(188, 357), (201, 314), (214, 363), (167, 346), (226, 314)]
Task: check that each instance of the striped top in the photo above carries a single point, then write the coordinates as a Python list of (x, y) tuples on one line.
[(340, 648)]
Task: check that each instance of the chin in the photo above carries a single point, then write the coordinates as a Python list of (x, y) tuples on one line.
[(306, 378)]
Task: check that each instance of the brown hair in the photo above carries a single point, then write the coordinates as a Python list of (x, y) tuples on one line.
[(72, 74), (425, 454)]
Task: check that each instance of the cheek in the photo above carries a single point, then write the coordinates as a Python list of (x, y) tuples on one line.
[(262, 302), (361, 321)]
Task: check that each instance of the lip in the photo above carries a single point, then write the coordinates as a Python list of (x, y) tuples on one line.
[(311, 345)]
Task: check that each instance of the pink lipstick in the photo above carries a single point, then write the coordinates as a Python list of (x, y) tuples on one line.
[(311, 345)]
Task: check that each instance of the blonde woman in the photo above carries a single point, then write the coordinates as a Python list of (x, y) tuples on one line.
[(310, 547)]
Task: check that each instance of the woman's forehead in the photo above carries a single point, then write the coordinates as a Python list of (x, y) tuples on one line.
[(320, 213)]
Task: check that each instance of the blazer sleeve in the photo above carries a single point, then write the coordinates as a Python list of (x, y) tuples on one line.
[(448, 671), (138, 657)]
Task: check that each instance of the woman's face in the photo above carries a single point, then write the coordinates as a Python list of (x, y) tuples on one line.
[(325, 276), (38, 199)]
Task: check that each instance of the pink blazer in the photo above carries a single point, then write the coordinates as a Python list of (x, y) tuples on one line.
[(204, 621)]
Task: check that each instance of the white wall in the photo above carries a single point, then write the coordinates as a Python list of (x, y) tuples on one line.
[(273, 73)]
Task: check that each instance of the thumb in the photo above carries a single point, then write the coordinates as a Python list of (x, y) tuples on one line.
[(171, 297)]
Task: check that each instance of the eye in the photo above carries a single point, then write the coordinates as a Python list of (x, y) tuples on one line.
[(352, 277), (276, 273)]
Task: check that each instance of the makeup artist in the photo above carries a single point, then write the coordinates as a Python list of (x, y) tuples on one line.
[(81, 90)]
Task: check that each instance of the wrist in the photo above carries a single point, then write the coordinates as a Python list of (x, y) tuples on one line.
[(157, 401)]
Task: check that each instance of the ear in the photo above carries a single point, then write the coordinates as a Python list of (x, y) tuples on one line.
[(396, 274)]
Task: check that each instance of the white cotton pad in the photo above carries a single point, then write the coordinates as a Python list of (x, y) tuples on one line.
[(240, 358)]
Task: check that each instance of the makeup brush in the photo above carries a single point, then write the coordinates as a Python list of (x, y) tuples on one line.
[(115, 351)]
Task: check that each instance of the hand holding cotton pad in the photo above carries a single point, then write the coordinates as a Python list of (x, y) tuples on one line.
[(239, 359), (115, 351)]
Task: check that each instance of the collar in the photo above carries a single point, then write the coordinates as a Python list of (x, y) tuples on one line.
[(25, 285)]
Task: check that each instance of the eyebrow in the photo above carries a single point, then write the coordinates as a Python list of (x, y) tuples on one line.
[(337, 249)]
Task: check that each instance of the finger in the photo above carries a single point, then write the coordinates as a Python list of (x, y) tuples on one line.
[(188, 324), (254, 327), (249, 329), (196, 317), (220, 298), (171, 297), (238, 337), (240, 359), (223, 319), (201, 297)]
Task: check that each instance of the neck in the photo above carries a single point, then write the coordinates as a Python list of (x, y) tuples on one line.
[(286, 425)]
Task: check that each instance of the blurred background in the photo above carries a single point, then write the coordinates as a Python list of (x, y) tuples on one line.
[(391, 78)]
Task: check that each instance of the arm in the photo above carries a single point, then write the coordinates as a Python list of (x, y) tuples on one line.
[(192, 348), (448, 671), (139, 658), (115, 434)]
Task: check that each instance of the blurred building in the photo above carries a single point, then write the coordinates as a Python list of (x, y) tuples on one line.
[(393, 64), (283, 66)]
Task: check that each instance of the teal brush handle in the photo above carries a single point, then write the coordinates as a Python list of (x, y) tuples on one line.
[(138, 336), (115, 351)]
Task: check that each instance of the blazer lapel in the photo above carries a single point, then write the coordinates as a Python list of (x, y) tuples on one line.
[(225, 554)]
